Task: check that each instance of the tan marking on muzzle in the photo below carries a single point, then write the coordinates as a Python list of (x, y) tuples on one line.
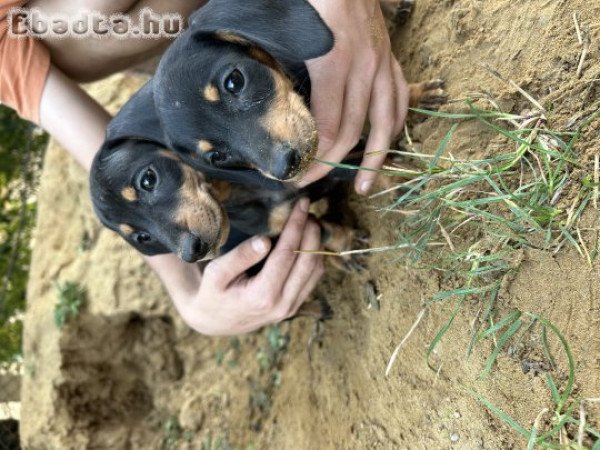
[(204, 146), (129, 194), (211, 93), (125, 229), (289, 121), (199, 213)]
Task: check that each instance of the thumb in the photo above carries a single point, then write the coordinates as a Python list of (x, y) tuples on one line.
[(224, 269)]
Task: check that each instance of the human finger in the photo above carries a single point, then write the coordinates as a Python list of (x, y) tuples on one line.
[(305, 264), (281, 260), (223, 270), (382, 116)]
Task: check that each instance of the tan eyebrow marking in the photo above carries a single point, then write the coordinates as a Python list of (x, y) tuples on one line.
[(231, 37), (129, 194), (204, 146), (169, 154), (263, 57), (125, 229), (211, 93)]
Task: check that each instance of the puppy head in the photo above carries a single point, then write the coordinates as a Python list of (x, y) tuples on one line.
[(155, 202), (223, 96)]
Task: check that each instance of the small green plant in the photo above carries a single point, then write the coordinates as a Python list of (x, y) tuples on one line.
[(71, 298), (220, 442), (233, 349), (262, 388), (173, 432)]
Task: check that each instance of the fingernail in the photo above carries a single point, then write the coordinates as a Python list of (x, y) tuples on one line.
[(365, 187), (304, 204), (259, 245)]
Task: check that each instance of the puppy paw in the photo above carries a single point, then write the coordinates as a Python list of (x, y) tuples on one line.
[(318, 309), (428, 94), (354, 262)]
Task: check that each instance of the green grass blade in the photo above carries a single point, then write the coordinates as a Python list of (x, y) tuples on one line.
[(466, 115), (442, 147), (501, 324), (461, 292), (546, 348), (553, 388), (501, 342), (443, 330), (571, 361), (532, 438), (501, 414)]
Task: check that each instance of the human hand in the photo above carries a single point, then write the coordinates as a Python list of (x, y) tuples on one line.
[(228, 302), (359, 78)]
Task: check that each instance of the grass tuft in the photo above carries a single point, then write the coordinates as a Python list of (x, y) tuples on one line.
[(469, 219)]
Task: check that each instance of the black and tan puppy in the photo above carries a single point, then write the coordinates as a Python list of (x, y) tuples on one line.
[(232, 91), (160, 205)]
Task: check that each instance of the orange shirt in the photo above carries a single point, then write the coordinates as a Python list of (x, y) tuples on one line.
[(24, 66)]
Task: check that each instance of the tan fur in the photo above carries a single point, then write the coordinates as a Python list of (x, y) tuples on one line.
[(221, 190), (211, 93), (169, 154), (204, 146), (339, 238), (288, 119), (278, 217), (227, 36), (263, 57), (415, 92), (199, 213), (125, 229), (129, 194)]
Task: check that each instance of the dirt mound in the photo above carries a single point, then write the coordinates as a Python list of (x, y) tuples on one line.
[(128, 374)]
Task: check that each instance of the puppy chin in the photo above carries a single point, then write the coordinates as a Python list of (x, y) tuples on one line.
[(210, 255)]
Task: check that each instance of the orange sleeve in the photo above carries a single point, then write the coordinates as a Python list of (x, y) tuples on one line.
[(24, 66)]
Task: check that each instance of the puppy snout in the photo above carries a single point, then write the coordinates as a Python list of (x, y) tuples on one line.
[(192, 248), (285, 163)]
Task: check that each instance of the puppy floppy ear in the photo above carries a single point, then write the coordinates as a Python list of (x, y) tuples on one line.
[(137, 119), (290, 30)]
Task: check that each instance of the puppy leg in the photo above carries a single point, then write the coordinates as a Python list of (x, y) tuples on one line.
[(318, 309), (337, 238)]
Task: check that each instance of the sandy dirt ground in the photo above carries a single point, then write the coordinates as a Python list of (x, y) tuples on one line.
[(128, 374)]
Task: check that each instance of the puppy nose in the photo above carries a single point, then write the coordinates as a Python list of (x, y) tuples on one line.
[(192, 248), (285, 162)]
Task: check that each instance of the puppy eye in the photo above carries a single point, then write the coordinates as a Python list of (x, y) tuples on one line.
[(234, 82), (148, 180), (142, 237), (217, 157)]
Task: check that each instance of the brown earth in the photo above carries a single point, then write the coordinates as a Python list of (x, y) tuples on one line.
[(129, 374)]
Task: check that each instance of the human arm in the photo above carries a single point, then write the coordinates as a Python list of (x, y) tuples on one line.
[(222, 300), (359, 79)]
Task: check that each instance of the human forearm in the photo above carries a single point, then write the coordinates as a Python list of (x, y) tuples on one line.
[(72, 117)]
